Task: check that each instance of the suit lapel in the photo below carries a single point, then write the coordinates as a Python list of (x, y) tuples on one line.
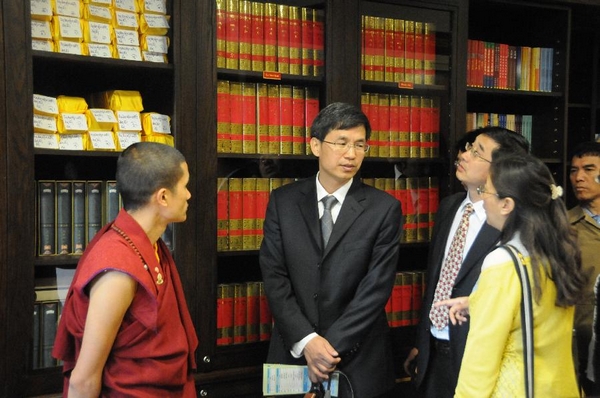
[(309, 210), (486, 239)]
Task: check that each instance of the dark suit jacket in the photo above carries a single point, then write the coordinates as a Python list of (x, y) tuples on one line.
[(463, 285), (339, 292)]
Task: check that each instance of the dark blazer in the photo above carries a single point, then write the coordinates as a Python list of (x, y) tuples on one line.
[(463, 285), (339, 292)]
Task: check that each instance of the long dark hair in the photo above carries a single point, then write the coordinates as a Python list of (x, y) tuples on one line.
[(541, 219)]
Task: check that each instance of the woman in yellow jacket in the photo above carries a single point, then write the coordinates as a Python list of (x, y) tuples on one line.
[(522, 200)]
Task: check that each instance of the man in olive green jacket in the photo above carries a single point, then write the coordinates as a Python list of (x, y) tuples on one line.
[(585, 217)]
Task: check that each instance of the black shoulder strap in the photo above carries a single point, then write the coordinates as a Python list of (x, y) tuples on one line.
[(526, 317)]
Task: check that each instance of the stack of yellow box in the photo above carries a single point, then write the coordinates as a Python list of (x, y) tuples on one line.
[(45, 112), (41, 31), (154, 26), (126, 105), (157, 128), (71, 122), (67, 32), (133, 30), (98, 31)]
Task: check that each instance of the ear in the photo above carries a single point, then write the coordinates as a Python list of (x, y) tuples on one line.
[(161, 196), (315, 146), (508, 205)]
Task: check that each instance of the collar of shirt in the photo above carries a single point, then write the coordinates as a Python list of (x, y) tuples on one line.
[(340, 195), (595, 217)]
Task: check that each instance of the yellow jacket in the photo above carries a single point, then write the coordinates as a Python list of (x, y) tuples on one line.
[(493, 362)]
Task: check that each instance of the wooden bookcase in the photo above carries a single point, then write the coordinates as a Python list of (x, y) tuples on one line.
[(186, 90)]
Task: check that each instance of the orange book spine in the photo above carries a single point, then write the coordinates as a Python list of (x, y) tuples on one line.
[(389, 50), (221, 22), (306, 24), (394, 126), (262, 200), (298, 122), (311, 101), (295, 41), (409, 51), (374, 120), (266, 319), (245, 35), (270, 37), (236, 104), (224, 314), (262, 118), (249, 213), (235, 214), (399, 56), (248, 117), (258, 36), (274, 118), (283, 38), (222, 214), (233, 35), (415, 126), (252, 311), (240, 310), (286, 119), (223, 117), (419, 53), (429, 53), (318, 43), (384, 125), (404, 125)]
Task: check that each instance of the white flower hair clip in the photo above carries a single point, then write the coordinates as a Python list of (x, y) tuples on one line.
[(557, 191)]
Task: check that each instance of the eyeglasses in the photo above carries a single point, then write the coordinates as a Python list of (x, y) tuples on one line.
[(343, 146), (474, 152), (481, 190)]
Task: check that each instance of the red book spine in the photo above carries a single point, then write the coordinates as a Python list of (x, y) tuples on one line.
[(236, 104), (415, 126), (249, 213), (368, 59), (404, 125), (425, 136), (270, 36), (318, 43), (223, 117), (262, 114), (274, 118), (374, 120), (222, 214), (248, 117), (307, 41), (298, 122), (258, 36), (399, 56), (390, 48), (435, 128), (224, 314), (252, 311), (235, 214), (423, 210), (233, 35), (406, 301), (397, 301), (419, 53), (283, 38), (262, 200), (409, 51), (295, 41), (384, 125), (429, 53), (410, 224), (240, 310), (221, 22), (311, 96), (379, 48), (417, 297), (286, 119), (245, 34)]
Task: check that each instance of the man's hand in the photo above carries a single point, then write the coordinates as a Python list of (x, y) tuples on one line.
[(458, 309), (321, 359), (410, 362)]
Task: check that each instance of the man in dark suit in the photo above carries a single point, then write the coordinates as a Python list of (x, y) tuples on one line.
[(328, 296), (440, 346)]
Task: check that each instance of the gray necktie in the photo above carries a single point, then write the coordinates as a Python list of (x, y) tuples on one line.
[(327, 219)]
